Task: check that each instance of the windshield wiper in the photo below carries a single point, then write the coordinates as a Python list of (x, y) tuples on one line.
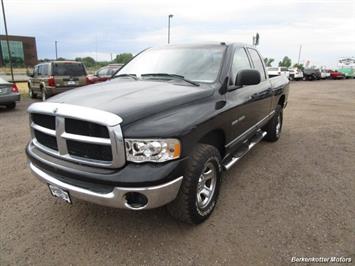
[(174, 76), (133, 76)]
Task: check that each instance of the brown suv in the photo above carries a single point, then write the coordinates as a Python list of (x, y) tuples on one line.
[(55, 77)]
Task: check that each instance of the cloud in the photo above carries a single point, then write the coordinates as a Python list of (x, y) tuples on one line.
[(324, 28)]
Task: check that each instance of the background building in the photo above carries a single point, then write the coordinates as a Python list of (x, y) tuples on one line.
[(23, 50)]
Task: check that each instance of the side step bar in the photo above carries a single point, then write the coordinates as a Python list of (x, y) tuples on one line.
[(245, 148)]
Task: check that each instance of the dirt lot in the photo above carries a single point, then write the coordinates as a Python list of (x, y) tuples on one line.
[(295, 197)]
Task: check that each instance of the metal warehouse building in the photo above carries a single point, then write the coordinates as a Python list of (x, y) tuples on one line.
[(23, 50)]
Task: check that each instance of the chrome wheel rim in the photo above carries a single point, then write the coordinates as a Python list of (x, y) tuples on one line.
[(278, 126), (206, 185)]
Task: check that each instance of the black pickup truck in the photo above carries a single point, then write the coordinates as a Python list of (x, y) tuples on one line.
[(161, 132)]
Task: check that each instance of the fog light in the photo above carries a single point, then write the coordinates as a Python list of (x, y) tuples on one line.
[(135, 200)]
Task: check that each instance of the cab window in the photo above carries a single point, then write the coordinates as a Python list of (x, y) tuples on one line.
[(258, 64), (240, 61)]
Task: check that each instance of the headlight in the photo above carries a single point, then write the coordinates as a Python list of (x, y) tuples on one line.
[(152, 150)]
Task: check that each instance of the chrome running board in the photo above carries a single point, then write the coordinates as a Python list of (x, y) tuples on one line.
[(249, 144)]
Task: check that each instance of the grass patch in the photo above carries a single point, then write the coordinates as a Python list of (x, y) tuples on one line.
[(23, 88)]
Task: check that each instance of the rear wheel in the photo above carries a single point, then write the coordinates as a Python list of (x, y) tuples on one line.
[(274, 127), (11, 105), (199, 190)]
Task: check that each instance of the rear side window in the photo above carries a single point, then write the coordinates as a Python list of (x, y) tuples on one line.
[(257, 63), (240, 61), (102, 72), (43, 70), (68, 69), (284, 69)]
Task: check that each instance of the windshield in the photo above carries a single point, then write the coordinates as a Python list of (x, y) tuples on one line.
[(199, 64), (68, 69)]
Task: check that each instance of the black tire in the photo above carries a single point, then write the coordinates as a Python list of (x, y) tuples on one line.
[(11, 105), (274, 127), (186, 207)]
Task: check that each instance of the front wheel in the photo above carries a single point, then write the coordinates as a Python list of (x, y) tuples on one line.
[(274, 127), (199, 190)]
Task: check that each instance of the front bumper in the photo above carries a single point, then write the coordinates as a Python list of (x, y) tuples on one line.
[(156, 195)]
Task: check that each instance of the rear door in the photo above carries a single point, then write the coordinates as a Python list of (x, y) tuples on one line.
[(35, 79), (69, 74), (261, 94)]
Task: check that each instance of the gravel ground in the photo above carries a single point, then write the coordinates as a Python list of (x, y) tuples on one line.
[(295, 197)]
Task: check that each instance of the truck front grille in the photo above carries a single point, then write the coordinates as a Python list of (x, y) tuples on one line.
[(46, 140), (85, 128), (80, 134), (89, 151), (47, 121)]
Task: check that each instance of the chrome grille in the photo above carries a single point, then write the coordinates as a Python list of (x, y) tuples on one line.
[(80, 134)]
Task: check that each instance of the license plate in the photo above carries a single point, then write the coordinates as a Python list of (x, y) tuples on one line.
[(59, 193), (71, 82)]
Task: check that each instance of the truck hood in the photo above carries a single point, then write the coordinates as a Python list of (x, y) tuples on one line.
[(133, 100)]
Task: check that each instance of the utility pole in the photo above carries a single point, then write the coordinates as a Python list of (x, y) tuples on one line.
[(169, 17), (299, 54), (7, 41), (56, 49)]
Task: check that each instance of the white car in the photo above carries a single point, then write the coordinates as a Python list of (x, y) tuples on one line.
[(324, 74), (295, 74), (278, 71)]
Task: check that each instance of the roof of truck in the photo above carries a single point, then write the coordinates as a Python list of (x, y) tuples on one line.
[(205, 44)]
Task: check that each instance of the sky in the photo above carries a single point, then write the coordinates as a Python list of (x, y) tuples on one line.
[(101, 28)]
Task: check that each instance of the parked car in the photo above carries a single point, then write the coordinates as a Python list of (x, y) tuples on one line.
[(161, 131), (104, 73), (295, 74), (277, 71), (334, 74), (348, 72), (324, 74), (9, 94), (311, 74), (54, 77)]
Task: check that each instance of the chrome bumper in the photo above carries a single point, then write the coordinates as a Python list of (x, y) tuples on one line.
[(157, 195)]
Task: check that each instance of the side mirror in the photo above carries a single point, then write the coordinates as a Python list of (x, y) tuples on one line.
[(248, 77)]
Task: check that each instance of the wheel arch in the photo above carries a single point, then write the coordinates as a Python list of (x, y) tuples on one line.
[(282, 101), (216, 138)]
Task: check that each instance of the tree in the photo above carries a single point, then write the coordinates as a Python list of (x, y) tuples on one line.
[(268, 61), (286, 62), (88, 61), (299, 66), (123, 58)]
